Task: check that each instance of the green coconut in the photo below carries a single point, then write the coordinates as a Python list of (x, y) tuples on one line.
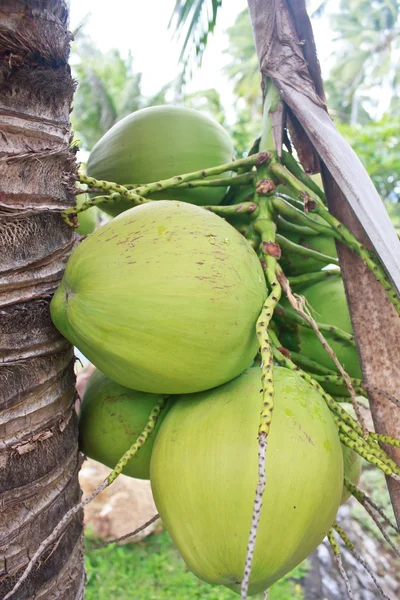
[(89, 219), (158, 143), (296, 264), (163, 299), (352, 469), (203, 474), (328, 305), (111, 418)]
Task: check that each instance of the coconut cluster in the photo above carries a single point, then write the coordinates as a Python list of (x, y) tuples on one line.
[(164, 301)]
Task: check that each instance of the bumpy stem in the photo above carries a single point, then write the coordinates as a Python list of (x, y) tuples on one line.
[(366, 448), (333, 406), (291, 163), (310, 365), (266, 228), (249, 208), (365, 500), (369, 447), (294, 248), (368, 454), (134, 449), (299, 305), (314, 203), (379, 525), (339, 381), (158, 186), (138, 193), (294, 317), (296, 214), (127, 535), (284, 225), (338, 558), (117, 193), (350, 546), (245, 179), (149, 428), (385, 439), (309, 278)]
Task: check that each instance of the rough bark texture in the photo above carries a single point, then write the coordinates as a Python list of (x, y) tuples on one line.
[(377, 328), (39, 458)]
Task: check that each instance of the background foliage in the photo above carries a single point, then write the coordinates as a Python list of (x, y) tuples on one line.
[(153, 570), (364, 79)]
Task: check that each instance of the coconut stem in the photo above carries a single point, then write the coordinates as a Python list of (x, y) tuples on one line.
[(366, 448), (118, 192), (294, 248), (296, 215), (238, 180), (334, 407), (385, 439), (365, 500), (294, 317), (379, 525), (128, 535), (262, 481), (136, 195), (308, 278), (250, 161), (293, 166), (338, 558), (265, 226), (249, 208), (369, 450), (134, 449), (52, 538), (350, 546), (284, 225), (299, 305), (358, 447), (310, 365), (314, 204), (339, 381)]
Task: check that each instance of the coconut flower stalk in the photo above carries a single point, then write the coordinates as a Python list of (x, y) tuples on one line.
[(287, 54)]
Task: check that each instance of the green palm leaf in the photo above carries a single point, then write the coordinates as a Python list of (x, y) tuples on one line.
[(194, 21)]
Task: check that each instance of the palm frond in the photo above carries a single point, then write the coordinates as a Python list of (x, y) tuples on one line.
[(194, 21), (319, 10)]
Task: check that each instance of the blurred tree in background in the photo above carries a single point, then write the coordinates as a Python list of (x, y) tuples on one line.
[(365, 74), (366, 71), (377, 144), (108, 90)]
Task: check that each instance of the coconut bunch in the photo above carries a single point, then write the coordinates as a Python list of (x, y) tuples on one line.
[(203, 304)]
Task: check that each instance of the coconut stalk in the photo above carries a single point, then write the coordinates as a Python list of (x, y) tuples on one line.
[(287, 54)]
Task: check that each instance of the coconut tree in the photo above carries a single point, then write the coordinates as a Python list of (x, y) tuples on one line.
[(38, 441)]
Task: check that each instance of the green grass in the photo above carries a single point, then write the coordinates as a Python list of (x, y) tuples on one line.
[(153, 570)]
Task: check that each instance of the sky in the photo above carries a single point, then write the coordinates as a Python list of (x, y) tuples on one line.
[(141, 27)]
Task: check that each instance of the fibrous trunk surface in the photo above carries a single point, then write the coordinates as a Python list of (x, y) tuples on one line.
[(39, 458)]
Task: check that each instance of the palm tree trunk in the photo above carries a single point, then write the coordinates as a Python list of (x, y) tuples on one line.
[(39, 458)]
